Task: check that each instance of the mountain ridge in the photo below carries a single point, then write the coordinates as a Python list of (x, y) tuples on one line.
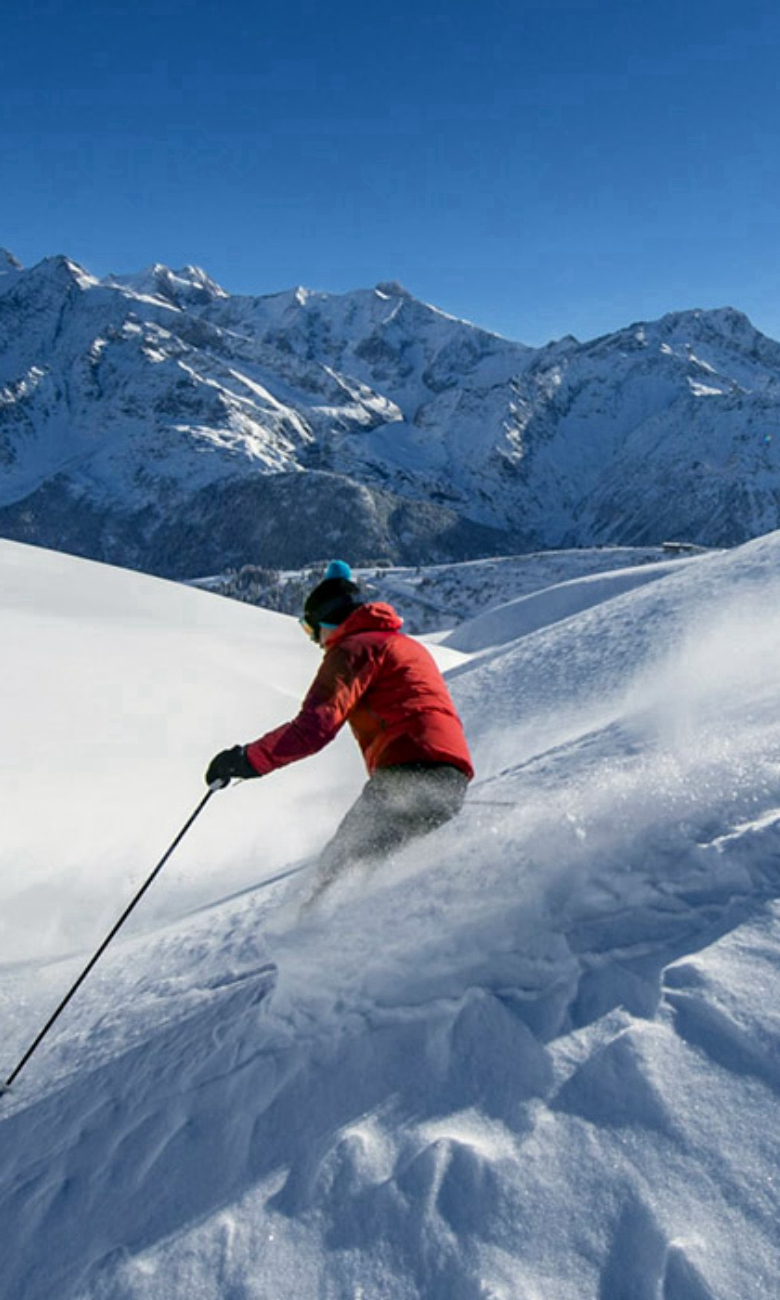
[(140, 414)]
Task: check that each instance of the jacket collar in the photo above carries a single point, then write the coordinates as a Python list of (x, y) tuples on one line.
[(374, 617)]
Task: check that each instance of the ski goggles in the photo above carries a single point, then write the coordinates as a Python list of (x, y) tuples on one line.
[(312, 630)]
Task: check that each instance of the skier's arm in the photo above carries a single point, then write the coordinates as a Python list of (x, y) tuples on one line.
[(344, 676)]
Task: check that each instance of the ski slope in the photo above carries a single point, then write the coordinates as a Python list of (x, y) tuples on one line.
[(534, 1057)]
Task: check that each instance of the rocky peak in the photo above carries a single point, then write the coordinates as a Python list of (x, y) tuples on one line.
[(391, 289), (8, 262), (189, 286)]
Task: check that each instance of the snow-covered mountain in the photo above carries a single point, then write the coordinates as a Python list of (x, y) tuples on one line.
[(535, 1055), (157, 421)]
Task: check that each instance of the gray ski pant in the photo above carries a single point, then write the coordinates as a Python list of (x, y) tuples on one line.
[(396, 805)]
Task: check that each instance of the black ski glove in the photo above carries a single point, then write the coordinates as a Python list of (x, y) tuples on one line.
[(227, 764)]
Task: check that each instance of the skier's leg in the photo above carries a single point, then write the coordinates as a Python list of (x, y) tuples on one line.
[(396, 805), (368, 829), (432, 793)]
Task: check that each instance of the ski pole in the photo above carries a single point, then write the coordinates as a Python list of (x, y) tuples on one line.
[(492, 803), (93, 960)]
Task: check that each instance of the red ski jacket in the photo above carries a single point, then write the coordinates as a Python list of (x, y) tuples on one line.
[(389, 690)]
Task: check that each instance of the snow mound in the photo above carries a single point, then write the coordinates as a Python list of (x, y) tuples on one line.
[(518, 618), (115, 691)]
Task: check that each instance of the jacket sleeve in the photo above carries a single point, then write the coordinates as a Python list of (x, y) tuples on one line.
[(346, 672)]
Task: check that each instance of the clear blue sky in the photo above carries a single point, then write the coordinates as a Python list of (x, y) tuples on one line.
[(541, 168)]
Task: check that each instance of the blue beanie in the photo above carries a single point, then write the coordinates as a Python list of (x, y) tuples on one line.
[(338, 569)]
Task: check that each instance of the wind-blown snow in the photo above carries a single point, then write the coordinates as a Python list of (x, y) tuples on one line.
[(535, 1055)]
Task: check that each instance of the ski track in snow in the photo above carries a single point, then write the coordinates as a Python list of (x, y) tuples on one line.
[(536, 1055)]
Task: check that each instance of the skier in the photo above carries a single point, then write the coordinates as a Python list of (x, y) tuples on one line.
[(389, 689)]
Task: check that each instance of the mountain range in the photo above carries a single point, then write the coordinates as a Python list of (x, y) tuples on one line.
[(158, 422)]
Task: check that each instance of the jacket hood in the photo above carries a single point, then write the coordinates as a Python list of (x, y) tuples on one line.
[(374, 617)]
